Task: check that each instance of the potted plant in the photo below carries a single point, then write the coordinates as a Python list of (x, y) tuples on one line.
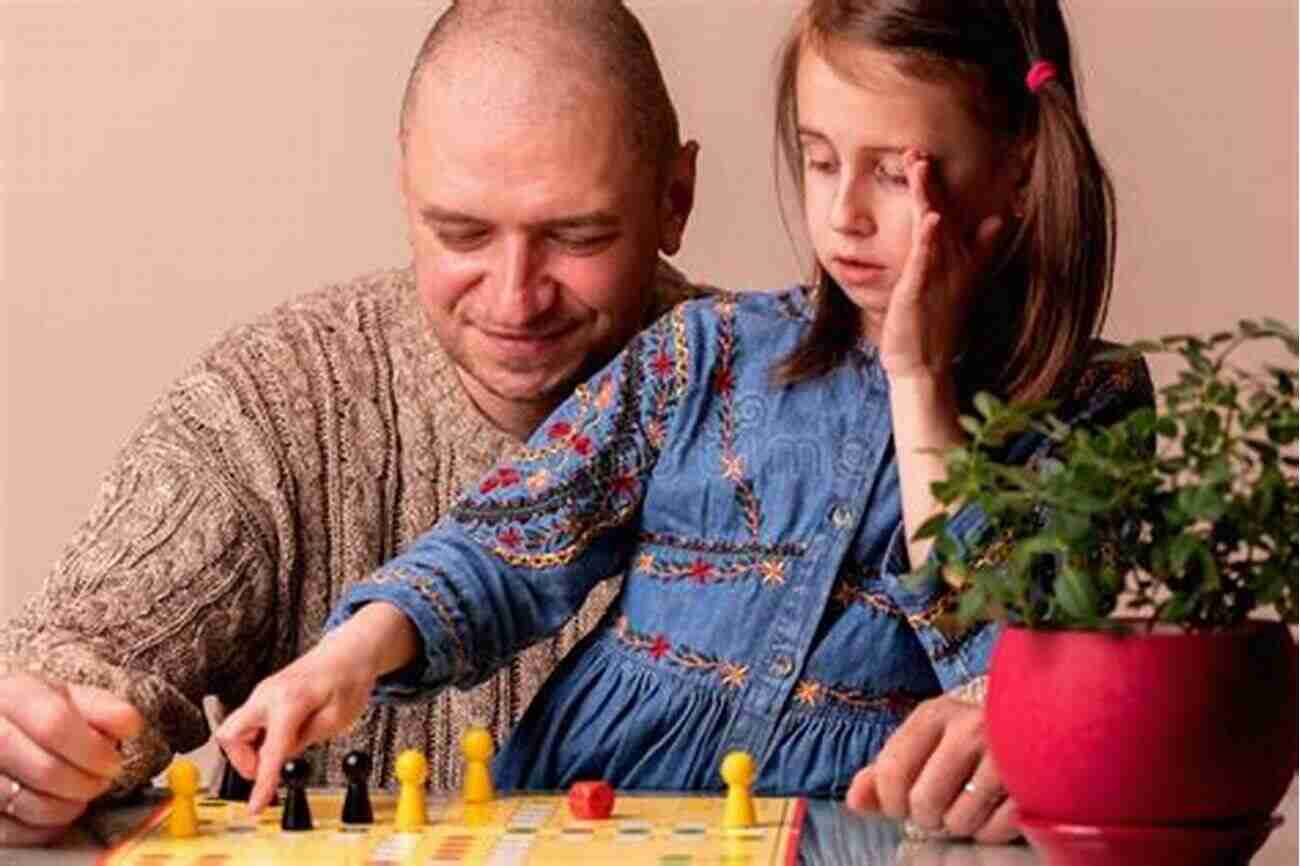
[(1142, 693)]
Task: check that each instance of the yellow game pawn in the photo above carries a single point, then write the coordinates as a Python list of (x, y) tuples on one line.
[(477, 746), (183, 821), (412, 769), (738, 772)]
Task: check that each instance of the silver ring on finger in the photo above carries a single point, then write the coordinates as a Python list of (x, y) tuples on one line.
[(993, 795)]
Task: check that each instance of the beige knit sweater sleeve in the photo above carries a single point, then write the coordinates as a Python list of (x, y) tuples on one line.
[(165, 593)]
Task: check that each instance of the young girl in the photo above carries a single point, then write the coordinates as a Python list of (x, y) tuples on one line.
[(756, 464)]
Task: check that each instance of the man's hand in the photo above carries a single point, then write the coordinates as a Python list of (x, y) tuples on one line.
[(935, 771), (58, 751)]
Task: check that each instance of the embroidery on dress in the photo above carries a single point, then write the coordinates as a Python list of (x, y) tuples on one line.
[(587, 478), (724, 383), (424, 586), (811, 693), (785, 549), (700, 571), (732, 675), (939, 613)]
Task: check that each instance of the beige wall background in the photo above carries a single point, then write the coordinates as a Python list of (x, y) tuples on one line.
[(168, 169)]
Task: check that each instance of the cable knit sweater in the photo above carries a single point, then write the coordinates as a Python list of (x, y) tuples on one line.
[(301, 452)]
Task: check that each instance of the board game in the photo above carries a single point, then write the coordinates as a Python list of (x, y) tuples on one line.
[(512, 830)]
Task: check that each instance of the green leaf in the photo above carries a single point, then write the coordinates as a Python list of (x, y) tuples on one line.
[(987, 405), (1184, 547), (931, 528), (1076, 596), (1176, 609)]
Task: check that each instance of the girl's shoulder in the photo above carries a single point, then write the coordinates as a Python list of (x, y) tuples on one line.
[(1108, 384), (762, 309)]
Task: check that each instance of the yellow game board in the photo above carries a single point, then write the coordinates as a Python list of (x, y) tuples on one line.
[(524, 830)]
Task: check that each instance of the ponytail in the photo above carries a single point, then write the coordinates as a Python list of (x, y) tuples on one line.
[(1067, 246)]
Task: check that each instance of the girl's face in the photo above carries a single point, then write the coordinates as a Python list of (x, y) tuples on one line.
[(854, 127)]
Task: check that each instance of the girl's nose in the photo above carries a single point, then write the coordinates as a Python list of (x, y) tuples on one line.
[(851, 209)]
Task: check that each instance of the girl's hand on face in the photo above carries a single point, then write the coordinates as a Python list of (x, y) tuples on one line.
[(923, 327), (309, 701)]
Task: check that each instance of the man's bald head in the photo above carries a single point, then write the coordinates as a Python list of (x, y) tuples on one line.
[(565, 49)]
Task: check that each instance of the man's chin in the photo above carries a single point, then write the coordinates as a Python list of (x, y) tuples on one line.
[(528, 388)]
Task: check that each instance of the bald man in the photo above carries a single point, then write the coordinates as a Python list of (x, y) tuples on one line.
[(543, 175)]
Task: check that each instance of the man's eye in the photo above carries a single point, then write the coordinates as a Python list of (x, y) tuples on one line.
[(583, 243), (463, 239)]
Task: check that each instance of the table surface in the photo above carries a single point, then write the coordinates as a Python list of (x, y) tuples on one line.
[(832, 837)]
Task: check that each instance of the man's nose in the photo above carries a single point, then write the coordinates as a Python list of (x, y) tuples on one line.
[(851, 211), (523, 291)]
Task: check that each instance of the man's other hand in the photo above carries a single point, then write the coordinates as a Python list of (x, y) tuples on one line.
[(58, 751), (935, 772)]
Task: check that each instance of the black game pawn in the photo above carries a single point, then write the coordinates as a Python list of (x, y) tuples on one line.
[(356, 805), (234, 787), (297, 814)]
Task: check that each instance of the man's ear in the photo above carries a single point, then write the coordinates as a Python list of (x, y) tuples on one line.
[(678, 198), (399, 175), (399, 171)]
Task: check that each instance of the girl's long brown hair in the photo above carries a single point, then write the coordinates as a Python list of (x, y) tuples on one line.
[(1046, 297)]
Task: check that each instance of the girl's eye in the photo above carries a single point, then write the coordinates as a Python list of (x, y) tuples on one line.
[(818, 166)]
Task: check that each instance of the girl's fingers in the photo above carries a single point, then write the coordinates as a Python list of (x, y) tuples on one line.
[(919, 266), (281, 744), (238, 737), (917, 167)]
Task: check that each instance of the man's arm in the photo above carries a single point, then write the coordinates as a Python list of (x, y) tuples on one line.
[(163, 595)]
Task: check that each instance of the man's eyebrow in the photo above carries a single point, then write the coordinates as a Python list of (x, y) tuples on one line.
[(601, 219), (432, 213)]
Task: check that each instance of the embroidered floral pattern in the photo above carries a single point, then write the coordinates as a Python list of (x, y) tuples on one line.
[(810, 693), (784, 550), (731, 674), (591, 467), (724, 382), (701, 571), (424, 586), (853, 587)]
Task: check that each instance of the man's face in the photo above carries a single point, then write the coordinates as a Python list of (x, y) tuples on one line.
[(535, 238)]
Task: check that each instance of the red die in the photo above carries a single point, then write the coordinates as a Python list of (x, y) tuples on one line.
[(591, 800)]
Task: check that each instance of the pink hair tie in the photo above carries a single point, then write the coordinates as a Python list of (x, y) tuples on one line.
[(1041, 72)]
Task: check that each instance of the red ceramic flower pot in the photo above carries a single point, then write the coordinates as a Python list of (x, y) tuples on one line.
[(1145, 728)]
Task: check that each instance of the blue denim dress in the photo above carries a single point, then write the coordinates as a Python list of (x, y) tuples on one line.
[(759, 529)]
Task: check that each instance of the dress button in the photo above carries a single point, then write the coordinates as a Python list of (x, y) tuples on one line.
[(841, 516), (782, 666)]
